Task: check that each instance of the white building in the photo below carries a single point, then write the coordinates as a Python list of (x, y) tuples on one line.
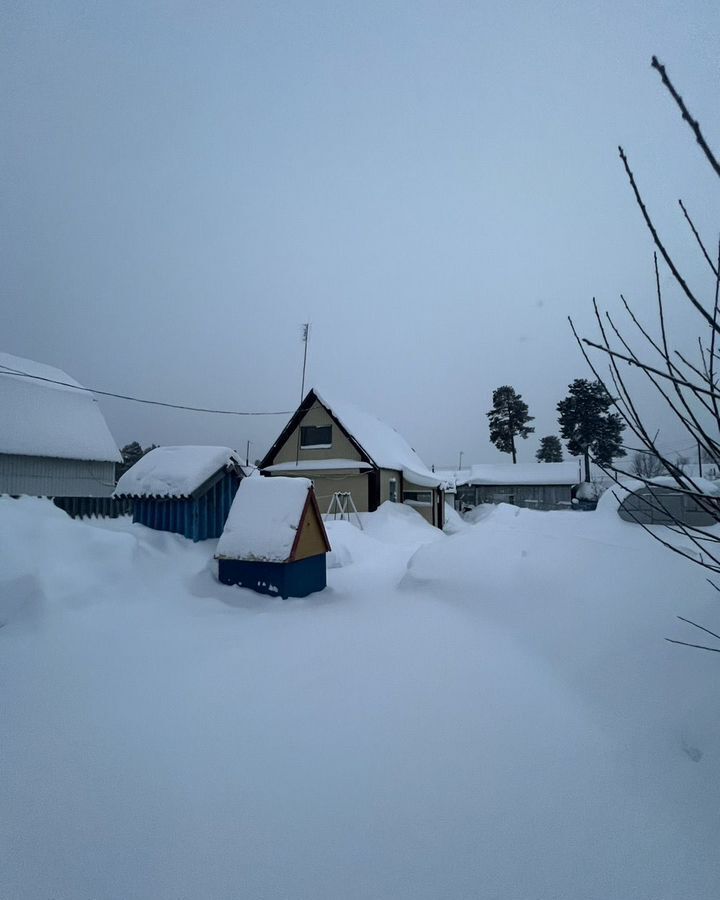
[(54, 441)]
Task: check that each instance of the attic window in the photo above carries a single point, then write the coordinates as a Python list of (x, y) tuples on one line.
[(316, 436)]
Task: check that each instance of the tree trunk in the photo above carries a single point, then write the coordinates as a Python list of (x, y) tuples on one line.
[(512, 445), (587, 465)]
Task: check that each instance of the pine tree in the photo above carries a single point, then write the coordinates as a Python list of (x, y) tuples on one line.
[(550, 449), (131, 453), (508, 420), (587, 426)]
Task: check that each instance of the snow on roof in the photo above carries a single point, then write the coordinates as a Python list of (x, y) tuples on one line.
[(317, 465), (453, 477), (524, 473), (174, 471), (264, 519), (385, 446), (617, 492), (39, 418)]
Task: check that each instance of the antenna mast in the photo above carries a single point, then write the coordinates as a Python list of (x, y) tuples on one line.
[(305, 337)]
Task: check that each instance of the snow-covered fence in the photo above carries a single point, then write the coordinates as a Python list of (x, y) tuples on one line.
[(99, 507)]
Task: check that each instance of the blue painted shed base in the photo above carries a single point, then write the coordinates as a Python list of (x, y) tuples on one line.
[(196, 518), (293, 579)]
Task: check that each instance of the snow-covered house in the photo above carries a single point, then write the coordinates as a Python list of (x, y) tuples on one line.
[(274, 540), (662, 502), (54, 441), (187, 490), (535, 485), (343, 449)]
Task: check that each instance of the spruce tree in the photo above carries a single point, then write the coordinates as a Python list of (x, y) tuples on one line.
[(508, 420), (550, 449), (587, 425)]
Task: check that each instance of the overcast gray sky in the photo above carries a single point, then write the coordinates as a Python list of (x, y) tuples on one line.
[(435, 186)]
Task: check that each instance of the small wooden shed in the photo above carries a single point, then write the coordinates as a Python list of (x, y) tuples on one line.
[(274, 540), (187, 490)]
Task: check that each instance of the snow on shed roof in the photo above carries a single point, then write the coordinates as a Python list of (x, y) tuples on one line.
[(40, 418), (264, 519), (618, 491), (174, 471), (386, 447), (524, 473)]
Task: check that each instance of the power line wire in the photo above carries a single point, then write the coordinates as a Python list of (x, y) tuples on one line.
[(202, 409)]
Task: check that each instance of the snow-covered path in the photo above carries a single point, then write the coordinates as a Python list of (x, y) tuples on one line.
[(499, 720)]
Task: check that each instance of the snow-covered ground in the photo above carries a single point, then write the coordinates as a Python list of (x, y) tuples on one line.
[(490, 714)]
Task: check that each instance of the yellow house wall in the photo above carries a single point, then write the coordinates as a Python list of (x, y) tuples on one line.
[(385, 477), (425, 511), (341, 446), (343, 481)]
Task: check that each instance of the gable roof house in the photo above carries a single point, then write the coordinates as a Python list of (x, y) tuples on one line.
[(343, 449), (534, 485), (187, 490), (54, 441)]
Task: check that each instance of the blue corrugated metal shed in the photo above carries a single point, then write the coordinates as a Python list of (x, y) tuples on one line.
[(187, 490), (198, 517)]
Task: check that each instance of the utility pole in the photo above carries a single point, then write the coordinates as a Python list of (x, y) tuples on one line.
[(699, 460), (247, 454)]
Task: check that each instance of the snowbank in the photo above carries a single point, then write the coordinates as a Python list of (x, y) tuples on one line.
[(454, 522), (593, 598), (502, 719), (47, 560)]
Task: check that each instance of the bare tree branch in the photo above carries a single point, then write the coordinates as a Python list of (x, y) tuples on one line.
[(658, 243), (686, 115), (701, 627), (633, 362), (697, 646), (698, 238)]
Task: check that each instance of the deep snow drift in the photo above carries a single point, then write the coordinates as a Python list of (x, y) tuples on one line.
[(490, 714)]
